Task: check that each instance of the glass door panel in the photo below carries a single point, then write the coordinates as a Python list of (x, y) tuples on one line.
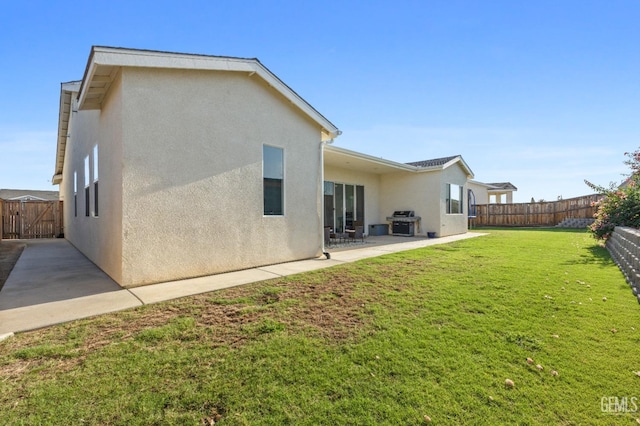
[(339, 207), (329, 219), (360, 205), (349, 210)]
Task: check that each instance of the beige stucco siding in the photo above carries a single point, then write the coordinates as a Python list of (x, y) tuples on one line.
[(99, 238), (192, 176), (453, 224), (425, 193), (412, 191), (480, 191)]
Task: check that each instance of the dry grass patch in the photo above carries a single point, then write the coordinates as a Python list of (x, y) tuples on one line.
[(10, 252)]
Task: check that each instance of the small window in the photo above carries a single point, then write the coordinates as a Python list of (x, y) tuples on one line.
[(454, 198), (273, 180), (95, 180), (87, 187), (75, 194)]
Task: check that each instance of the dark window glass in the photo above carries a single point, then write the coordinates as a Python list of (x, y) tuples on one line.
[(273, 180)]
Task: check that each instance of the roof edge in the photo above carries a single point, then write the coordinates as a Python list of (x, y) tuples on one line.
[(123, 57)]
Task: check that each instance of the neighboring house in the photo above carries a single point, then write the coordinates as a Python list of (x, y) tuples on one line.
[(28, 195), (492, 193), (175, 165)]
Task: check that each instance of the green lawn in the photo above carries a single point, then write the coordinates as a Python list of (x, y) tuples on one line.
[(434, 331)]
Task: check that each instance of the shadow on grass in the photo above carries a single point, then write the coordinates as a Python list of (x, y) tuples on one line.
[(530, 229), (597, 255)]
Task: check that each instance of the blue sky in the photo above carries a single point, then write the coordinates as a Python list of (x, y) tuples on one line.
[(542, 94)]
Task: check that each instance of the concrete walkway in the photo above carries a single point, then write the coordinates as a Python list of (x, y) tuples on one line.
[(53, 282)]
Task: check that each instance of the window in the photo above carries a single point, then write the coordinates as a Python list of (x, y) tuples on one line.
[(95, 180), (75, 194), (454, 199), (273, 180), (87, 186)]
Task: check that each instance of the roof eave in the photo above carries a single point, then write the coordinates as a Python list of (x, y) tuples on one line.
[(64, 116), (370, 158)]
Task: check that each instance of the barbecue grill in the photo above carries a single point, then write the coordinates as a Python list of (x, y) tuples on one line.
[(403, 223)]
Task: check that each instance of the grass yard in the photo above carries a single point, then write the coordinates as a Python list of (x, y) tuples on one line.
[(388, 340)]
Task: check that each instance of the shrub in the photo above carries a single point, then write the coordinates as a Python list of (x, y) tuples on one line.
[(620, 206)]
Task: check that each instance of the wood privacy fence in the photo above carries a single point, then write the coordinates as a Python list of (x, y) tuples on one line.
[(31, 219), (546, 213)]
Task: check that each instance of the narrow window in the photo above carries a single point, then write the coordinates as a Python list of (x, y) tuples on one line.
[(95, 180), (273, 180), (87, 187), (454, 198), (75, 194)]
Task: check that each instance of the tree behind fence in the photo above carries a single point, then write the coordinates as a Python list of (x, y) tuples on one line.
[(545, 213)]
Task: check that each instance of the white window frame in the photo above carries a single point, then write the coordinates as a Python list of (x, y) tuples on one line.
[(449, 200), (95, 206), (282, 180), (87, 187)]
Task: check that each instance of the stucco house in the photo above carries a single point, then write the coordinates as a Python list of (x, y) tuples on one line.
[(28, 195), (492, 193), (177, 165)]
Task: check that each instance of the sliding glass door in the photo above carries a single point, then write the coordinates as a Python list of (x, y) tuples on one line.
[(343, 206)]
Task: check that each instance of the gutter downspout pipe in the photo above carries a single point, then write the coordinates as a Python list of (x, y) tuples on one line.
[(322, 145)]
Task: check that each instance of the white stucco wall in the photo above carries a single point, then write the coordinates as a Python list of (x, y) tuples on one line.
[(192, 201), (371, 183), (99, 238)]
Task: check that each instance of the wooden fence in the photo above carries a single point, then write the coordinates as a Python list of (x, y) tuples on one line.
[(31, 219), (546, 213)]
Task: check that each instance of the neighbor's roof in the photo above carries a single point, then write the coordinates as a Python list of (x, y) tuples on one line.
[(105, 62), (502, 186), (21, 194)]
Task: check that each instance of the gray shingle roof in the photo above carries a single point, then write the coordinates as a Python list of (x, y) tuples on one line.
[(434, 162), (503, 185), (10, 194)]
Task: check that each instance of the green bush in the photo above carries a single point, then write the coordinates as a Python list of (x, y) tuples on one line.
[(620, 206)]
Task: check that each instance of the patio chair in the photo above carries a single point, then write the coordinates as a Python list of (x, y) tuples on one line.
[(359, 233)]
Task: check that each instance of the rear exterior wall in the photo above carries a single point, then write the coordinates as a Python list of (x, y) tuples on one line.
[(192, 184)]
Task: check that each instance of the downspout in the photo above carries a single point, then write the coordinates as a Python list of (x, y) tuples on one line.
[(322, 145)]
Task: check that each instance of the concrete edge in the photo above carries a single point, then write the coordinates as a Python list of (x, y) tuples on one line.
[(34, 317), (5, 336)]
